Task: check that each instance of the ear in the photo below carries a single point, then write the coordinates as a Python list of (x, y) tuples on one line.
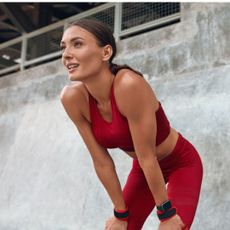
[(107, 52)]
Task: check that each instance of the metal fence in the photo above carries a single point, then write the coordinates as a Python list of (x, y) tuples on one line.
[(125, 19)]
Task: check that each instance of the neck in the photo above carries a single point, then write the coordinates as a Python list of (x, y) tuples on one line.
[(100, 86)]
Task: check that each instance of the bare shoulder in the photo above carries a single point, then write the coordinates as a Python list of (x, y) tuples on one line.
[(75, 91), (131, 87), (127, 77), (129, 81), (74, 100)]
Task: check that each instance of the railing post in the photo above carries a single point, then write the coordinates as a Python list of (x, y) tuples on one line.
[(66, 23), (23, 53), (117, 20)]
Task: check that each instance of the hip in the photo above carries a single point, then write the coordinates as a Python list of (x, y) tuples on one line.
[(184, 154)]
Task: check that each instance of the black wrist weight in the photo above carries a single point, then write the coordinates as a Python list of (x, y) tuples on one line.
[(122, 215)]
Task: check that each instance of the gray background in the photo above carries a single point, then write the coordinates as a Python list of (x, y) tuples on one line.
[(47, 180)]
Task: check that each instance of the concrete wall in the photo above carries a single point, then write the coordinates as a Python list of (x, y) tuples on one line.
[(47, 179)]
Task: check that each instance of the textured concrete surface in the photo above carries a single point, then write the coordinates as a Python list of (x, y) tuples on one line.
[(47, 181)]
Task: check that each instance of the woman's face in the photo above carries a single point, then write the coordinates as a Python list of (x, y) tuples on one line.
[(81, 54)]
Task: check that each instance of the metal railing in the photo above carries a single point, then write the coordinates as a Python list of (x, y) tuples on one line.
[(124, 19)]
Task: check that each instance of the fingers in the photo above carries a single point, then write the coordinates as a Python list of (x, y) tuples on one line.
[(174, 223), (108, 223), (182, 225), (114, 224)]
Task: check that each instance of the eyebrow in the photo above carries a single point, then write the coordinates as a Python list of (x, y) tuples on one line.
[(72, 40)]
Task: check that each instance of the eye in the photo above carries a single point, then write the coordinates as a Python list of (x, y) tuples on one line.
[(77, 44), (62, 48)]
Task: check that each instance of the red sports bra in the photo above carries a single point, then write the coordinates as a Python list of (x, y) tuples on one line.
[(116, 134)]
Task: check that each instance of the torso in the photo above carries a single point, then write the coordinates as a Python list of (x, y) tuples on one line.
[(165, 148), (162, 150)]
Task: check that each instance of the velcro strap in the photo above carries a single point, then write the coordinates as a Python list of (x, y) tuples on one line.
[(167, 214)]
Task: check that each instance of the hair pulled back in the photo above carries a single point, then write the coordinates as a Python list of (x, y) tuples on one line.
[(104, 37)]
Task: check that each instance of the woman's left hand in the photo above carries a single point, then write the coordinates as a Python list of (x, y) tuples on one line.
[(114, 224), (174, 223)]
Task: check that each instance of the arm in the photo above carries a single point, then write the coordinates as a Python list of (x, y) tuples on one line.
[(132, 91), (102, 161), (138, 103)]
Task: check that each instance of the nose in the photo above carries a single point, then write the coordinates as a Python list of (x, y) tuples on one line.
[(67, 54)]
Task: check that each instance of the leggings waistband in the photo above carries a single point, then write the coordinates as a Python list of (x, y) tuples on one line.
[(178, 147)]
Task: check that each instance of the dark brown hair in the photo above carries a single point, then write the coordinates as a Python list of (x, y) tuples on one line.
[(104, 37)]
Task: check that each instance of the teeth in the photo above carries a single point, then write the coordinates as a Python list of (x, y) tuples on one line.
[(72, 66)]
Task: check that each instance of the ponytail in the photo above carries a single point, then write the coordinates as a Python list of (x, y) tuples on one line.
[(114, 68)]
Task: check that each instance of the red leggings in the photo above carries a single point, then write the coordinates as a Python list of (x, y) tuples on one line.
[(182, 170)]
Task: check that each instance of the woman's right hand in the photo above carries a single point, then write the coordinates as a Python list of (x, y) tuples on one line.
[(114, 224), (174, 223)]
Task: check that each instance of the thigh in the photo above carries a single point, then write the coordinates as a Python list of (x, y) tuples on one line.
[(184, 185), (138, 197)]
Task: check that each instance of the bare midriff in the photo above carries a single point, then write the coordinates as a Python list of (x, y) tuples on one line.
[(165, 148)]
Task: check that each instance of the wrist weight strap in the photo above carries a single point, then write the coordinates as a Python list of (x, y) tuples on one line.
[(165, 215), (121, 214)]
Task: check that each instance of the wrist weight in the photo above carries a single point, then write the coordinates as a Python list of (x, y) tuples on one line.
[(121, 214), (166, 210)]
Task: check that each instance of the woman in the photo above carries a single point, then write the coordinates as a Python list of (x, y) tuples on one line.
[(113, 106)]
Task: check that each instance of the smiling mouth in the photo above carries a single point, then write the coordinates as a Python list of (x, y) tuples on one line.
[(72, 67)]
